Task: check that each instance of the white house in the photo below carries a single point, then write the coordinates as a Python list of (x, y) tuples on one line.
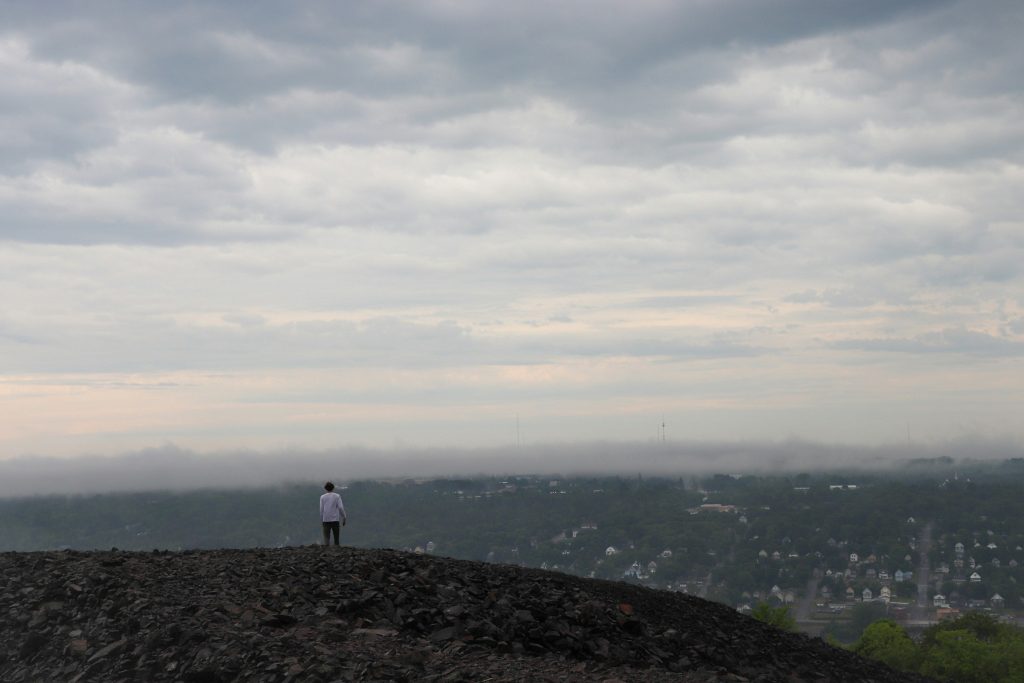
[(611, 550), (975, 577), (866, 595), (939, 600)]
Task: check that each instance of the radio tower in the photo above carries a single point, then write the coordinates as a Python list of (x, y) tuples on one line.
[(663, 429)]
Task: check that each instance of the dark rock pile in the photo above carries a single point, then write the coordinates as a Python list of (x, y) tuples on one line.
[(330, 614)]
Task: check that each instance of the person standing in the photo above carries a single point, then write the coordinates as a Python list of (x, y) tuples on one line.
[(332, 513)]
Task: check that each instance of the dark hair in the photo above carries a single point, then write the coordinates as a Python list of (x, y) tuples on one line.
[(329, 486)]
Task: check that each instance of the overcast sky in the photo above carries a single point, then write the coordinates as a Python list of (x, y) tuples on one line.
[(306, 225)]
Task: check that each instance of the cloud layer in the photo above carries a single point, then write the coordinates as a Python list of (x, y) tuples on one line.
[(382, 222)]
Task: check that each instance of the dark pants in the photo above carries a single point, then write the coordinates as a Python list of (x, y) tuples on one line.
[(332, 528)]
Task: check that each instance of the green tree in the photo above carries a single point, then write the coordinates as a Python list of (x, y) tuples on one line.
[(779, 617), (888, 643), (960, 656)]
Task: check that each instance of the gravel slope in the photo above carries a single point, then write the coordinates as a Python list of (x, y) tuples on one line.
[(345, 614)]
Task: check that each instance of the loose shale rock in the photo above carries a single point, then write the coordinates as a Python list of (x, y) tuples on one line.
[(328, 614)]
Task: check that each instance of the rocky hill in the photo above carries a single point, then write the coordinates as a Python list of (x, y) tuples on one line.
[(341, 614)]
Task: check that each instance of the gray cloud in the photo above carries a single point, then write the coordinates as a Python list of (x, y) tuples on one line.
[(568, 200), (957, 340)]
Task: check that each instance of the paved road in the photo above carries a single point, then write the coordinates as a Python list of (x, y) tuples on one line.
[(703, 592), (924, 546), (803, 607)]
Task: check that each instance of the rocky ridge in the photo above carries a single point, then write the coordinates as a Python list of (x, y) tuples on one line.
[(345, 614)]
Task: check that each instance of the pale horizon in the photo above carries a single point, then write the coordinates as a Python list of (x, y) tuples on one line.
[(172, 468)]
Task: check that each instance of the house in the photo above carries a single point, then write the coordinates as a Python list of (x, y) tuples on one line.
[(652, 567), (850, 593), (666, 553), (763, 554), (885, 594), (871, 573), (975, 577), (992, 546), (939, 600), (854, 558), (883, 575), (996, 562), (959, 548), (776, 555), (866, 595), (743, 519), (944, 613), (611, 550), (997, 601), (712, 507), (633, 571), (911, 520), (431, 546)]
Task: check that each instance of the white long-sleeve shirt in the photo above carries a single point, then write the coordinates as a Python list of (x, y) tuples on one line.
[(331, 508)]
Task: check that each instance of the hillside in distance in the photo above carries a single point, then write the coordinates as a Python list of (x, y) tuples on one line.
[(343, 614)]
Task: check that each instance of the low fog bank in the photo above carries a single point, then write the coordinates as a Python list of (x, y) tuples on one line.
[(176, 469)]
